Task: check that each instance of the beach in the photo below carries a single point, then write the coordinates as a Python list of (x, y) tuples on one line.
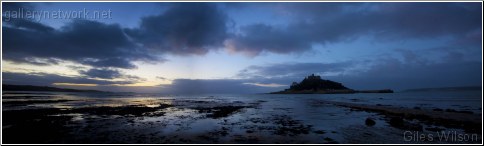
[(57, 117)]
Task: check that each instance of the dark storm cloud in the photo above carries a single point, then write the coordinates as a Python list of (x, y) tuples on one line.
[(392, 73), (28, 24), (292, 69), (15, 6), (161, 78), (81, 41), (88, 42), (426, 19), (197, 28), (411, 71), (45, 79), (101, 73), (107, 73), (39, 61), (384, 73), (183, 29), (110, 62), (261, 37), (315, 23), (254, 79)]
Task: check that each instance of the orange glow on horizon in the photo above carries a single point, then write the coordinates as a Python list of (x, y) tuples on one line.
[(74, 84)]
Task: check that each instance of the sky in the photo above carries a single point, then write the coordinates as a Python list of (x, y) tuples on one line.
[(246, 47)]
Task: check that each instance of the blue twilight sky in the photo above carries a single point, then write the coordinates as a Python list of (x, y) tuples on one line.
[(240, 47)]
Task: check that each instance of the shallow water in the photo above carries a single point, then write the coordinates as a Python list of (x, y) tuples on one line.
[(55, 117)]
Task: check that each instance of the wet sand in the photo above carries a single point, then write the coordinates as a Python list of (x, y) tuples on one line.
[(449, 118), (51, 118), (137, 123)]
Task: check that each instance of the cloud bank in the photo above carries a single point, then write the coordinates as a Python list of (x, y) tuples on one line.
[(185, 29)]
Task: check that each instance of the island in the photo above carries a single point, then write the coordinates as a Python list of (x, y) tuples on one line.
[(314, 84)]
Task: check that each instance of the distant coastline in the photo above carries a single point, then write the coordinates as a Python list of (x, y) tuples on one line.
[(7, 87), (459, 88)]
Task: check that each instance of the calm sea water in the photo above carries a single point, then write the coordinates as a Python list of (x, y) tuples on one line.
[(274, 119), (459, 100)]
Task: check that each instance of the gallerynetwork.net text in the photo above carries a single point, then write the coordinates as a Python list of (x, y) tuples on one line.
[(39, 15)]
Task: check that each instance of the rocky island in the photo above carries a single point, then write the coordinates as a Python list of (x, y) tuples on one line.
[(314, 84)]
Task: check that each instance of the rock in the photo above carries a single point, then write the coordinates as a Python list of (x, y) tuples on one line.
[(370, 122), (434, 129), (456, 111), (400, 123), (438, 109), (450, 110), (319, 132), (396, 122)]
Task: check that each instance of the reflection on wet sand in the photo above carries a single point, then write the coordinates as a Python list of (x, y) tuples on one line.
[(57, 118)]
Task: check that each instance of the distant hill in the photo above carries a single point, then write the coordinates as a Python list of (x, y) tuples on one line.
[(461, 88), (314, 84), (6, 87)]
